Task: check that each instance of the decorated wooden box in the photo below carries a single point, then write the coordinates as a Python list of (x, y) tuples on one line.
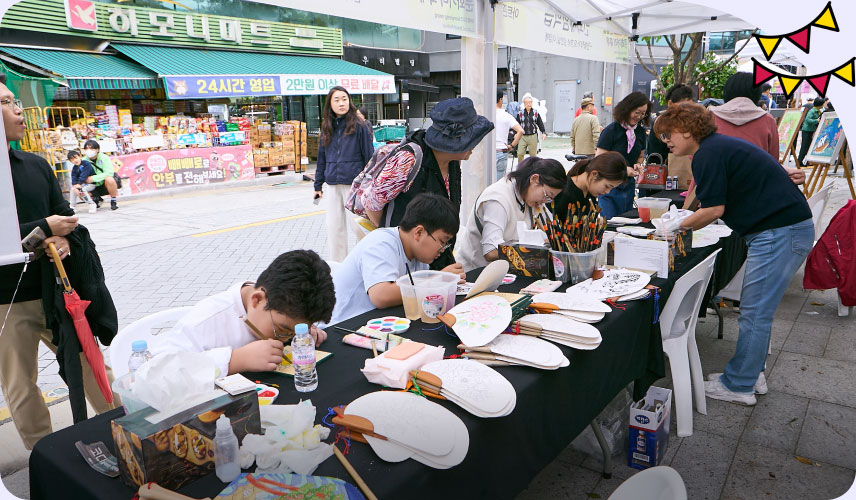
[(680, 244), (531, 261), (180, 448)]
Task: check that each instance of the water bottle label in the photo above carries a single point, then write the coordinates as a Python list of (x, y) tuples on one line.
[(304, 357)]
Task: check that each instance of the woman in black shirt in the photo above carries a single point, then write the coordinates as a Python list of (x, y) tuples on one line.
[(626, 135), (589, 179)]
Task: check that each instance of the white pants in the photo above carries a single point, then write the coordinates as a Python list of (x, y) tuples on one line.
[(339, 221)]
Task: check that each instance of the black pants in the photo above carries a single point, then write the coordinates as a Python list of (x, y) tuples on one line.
[(805, 142)]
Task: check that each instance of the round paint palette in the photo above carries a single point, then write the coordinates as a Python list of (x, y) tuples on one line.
[(389, 324)]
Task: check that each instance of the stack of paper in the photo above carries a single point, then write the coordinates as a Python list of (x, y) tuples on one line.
[(559, 329)]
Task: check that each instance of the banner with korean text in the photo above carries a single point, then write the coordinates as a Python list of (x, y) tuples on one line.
[(534, 25)]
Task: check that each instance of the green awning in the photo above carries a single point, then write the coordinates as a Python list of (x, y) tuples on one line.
[(83, 70), (172, 61)]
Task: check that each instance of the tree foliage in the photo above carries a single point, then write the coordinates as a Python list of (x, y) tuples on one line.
[(710, 75)]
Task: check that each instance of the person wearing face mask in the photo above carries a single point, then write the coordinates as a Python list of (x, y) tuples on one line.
[(589, 179), (515, 198), (456, 130), (627, 136), (104, 180), (344, 150)]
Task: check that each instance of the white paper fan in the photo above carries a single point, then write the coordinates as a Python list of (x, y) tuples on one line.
[(478, 321), (529, 350), (490, 278), (561, 325), (571, 302), (614, 283), (480, 387)]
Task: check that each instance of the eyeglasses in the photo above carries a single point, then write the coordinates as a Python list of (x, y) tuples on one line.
[(278, 336), (638, 113), (444, 246), (665, 136), (547, 197), (12, 103)]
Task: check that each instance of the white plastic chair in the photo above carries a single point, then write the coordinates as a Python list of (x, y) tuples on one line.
[(849, 494), (5, 494), (677, 326), (120, 349), (656, 483)]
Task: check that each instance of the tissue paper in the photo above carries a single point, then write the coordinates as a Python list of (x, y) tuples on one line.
[(172, 382), (395, 373), (526, 236)]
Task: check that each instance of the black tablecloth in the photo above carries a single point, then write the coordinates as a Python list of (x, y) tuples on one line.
[(504, 454)]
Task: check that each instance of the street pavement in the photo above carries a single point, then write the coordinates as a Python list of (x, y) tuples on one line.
[(173, 250)]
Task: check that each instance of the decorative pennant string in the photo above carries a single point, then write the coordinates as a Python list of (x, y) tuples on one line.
[(800, 37), (819, 82)]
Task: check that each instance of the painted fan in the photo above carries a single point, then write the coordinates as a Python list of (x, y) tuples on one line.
[(560, 330), (490, 278), (522, 350), (614, 283), (402, 425), (477, 388), (478, 321)]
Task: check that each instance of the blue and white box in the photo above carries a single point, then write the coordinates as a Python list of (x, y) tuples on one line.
[(648, 438)]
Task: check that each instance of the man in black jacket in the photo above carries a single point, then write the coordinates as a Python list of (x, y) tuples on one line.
[(39, 203)]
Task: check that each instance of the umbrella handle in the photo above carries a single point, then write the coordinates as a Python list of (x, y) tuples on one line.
[(59, 267)]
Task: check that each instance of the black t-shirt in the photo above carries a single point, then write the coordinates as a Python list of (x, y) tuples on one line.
[(37, 196), (756, 191), (655, 145), (614, 138), (571, 194)]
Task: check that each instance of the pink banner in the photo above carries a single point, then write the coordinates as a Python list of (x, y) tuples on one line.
[(155, 170)]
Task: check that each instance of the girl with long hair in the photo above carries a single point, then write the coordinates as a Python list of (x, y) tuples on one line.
[(344, 150), (589, 179)]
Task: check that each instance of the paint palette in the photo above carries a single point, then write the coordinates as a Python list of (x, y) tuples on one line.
[(267, 394), (389, 324)]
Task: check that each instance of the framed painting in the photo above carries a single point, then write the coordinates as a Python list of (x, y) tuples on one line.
[(789, 127), (827, 141)]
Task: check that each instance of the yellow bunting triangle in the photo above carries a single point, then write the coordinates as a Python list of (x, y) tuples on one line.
[(768, 44), (789, 84), (826, 19), (846, 72)]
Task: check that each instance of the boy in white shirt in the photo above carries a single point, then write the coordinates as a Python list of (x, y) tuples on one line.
[(504, 123), (366, 279), (295, 288)]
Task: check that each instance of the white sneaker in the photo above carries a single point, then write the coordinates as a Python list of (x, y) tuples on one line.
[(715, 390), (760, 384), (93, 208)]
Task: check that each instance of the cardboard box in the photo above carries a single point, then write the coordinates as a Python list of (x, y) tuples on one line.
[(179, 449), (649, 429), (526, 260), (682, 167), (289, 158), (680, 244)]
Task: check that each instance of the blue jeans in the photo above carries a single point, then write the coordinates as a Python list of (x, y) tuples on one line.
[(501, 164), (773, 259)]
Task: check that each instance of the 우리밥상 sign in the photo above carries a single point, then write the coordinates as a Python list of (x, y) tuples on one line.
[(194, 87), (156, 170)]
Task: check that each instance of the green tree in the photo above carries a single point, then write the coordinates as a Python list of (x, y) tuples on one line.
[(710, 75), (691, 66)]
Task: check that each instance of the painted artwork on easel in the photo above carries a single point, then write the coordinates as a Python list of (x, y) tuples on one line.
[(827, 141), (789, 126)]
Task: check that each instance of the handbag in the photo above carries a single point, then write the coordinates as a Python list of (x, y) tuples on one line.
[(654, 175)]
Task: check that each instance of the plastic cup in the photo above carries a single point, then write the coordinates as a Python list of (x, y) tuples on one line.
[(652, 208), (570, 267), (432, 295)]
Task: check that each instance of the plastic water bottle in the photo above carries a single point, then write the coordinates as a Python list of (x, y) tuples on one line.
[(139, 355), (226, 451), (303, 356)]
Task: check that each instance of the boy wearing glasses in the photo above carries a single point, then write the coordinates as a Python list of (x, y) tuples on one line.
[(366, 279), (295, 288)]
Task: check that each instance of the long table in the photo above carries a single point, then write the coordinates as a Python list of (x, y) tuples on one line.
[(504, 454)]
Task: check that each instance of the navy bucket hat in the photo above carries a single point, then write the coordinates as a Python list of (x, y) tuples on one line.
[(456, 127)]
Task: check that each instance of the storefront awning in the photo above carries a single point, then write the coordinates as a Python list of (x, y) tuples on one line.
[(195, 73), (83, 70)]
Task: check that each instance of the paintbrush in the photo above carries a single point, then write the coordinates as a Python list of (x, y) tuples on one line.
[(259, 335), (361, 334)]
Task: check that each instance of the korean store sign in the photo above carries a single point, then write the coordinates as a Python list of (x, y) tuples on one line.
[(125, 22), (208, 87)]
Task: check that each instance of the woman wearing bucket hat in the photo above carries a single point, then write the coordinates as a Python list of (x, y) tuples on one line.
[(455, 131)]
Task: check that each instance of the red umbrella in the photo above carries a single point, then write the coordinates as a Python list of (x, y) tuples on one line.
[(76, 308)]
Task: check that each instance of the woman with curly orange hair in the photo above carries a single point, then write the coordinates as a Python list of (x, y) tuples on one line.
[(742, 184)]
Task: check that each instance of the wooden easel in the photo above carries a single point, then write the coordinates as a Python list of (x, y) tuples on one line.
[(792, 146), (817, 177)]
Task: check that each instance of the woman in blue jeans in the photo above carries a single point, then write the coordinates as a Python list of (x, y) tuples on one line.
[(742, 184)]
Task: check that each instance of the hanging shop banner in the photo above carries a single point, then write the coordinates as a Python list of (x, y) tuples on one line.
[(121, 22), (157, 170), (537, 26), (321, 84), (455, 17), (209, 87)]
